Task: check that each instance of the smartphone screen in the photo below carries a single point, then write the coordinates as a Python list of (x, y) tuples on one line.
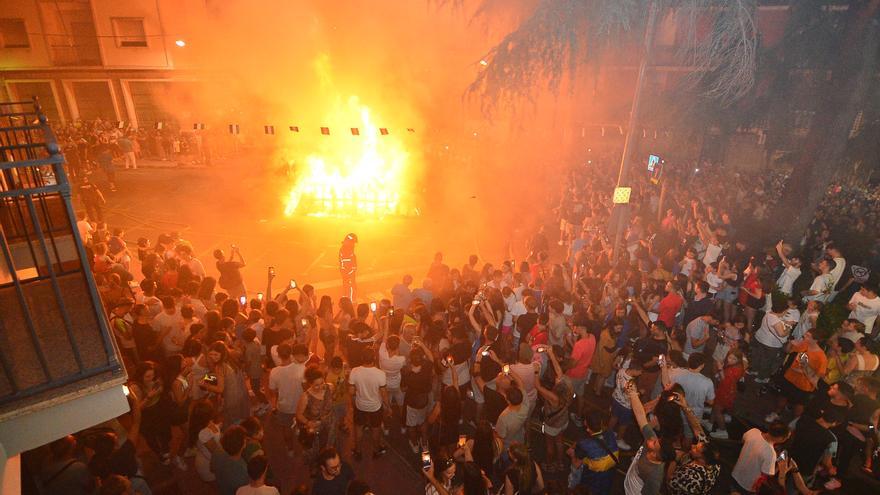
[(242, 300), (292, 284), (426, 460), (462, 440), (506, 369), (373, 307), (260, 296), (305, 322)]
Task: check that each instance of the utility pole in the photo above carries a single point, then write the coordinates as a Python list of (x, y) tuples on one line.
[(630, 143)]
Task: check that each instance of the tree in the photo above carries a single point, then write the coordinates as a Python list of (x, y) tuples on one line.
[(842, 99)]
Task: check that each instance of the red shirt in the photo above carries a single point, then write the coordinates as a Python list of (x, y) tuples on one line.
[(751, 283), (669, 307), (538, 337), (582, 355)]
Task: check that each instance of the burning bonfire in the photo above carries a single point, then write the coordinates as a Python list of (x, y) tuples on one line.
[(357, 169)]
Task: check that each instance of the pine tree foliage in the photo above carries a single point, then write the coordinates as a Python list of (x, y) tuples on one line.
[(559, 36)]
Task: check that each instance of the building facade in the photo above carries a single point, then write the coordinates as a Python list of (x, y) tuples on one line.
[(87, 59)]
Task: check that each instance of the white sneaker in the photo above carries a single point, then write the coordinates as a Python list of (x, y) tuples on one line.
[(832, 484), (623, 445), (719, 434), (771, 417)]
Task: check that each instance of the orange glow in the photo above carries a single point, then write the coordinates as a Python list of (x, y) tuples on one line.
[(344, 174)]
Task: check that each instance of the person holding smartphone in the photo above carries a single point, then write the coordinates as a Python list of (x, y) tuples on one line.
[(230, 272)]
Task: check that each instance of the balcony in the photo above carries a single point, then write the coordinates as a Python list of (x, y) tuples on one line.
[(59, 368)]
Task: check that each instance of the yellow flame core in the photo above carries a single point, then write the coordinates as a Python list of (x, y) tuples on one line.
[(351, 174)]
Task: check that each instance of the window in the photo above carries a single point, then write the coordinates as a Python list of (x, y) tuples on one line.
[(129, 32), (13, 34)]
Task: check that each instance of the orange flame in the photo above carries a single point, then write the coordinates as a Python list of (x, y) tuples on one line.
[(350, 175)]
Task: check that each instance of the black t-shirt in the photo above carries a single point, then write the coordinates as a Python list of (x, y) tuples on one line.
[(144, 338), (862, 410), (494, 405), (336, 486), (275, 336), (647, 348), (357, 349), (696, 309), (230, 277), (489, 369), (809, 443), (820, 403), (417, 385), (526, 322)]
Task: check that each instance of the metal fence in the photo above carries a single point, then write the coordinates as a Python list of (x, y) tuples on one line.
[(53, 329)]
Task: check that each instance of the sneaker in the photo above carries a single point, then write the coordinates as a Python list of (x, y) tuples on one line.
[(356, 455), (623, 445), (380, 452), (707, 425), (832, 484), (180, 463), (771, 417), (719, 434)]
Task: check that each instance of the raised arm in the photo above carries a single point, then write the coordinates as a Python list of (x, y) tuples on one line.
[(637, 407), (781, 253)]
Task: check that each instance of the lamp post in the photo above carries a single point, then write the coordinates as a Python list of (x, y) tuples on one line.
[(630, 143)]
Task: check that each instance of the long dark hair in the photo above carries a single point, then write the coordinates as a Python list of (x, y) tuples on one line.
[(346, 307), (472, 479), (522, 464), (450, 405), (325, 307), (484, 447)]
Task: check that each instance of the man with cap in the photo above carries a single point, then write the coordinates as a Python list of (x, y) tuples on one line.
[(581, 357), (348, 265), (121, 325)]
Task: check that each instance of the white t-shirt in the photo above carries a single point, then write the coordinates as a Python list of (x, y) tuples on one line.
[(163, 320), (756, 457), (85, 230), (688, 265), (837, 271), (786, 280), (767, 336), (287, 381), (715, 282), (367, 382), (205, 436), (713, 251), (866, 310), (509, 302), (263, 490), (391, 365), (823, 285)]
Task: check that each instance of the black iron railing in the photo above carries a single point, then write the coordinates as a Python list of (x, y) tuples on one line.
[(53, 329)]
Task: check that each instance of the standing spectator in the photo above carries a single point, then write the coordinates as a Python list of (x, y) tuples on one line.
[(555, 409), (391, 363), (314, 414), (734, 368), (126, 147), (510, 426), (769, 341), (581, 358), (757, 458), (92, 199), (524, 475), (647, 351), (367, 388), (645, 473), (285, 388), (603, 359), (621, 408), (230, 272), (401, 295), (791, 272), (864, 306), (823, 285), (416, 382), (334, 475), (670, 305), (800, 379), (64, 473), (699, 390), (697, 333), (227, 465), (813, 445), (256, 469), (595, 457)]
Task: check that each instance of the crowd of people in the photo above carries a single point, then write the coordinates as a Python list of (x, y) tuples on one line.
[(584, 367), (91, 145)]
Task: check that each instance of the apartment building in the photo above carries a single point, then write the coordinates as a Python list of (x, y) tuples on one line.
[(97, 58)]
